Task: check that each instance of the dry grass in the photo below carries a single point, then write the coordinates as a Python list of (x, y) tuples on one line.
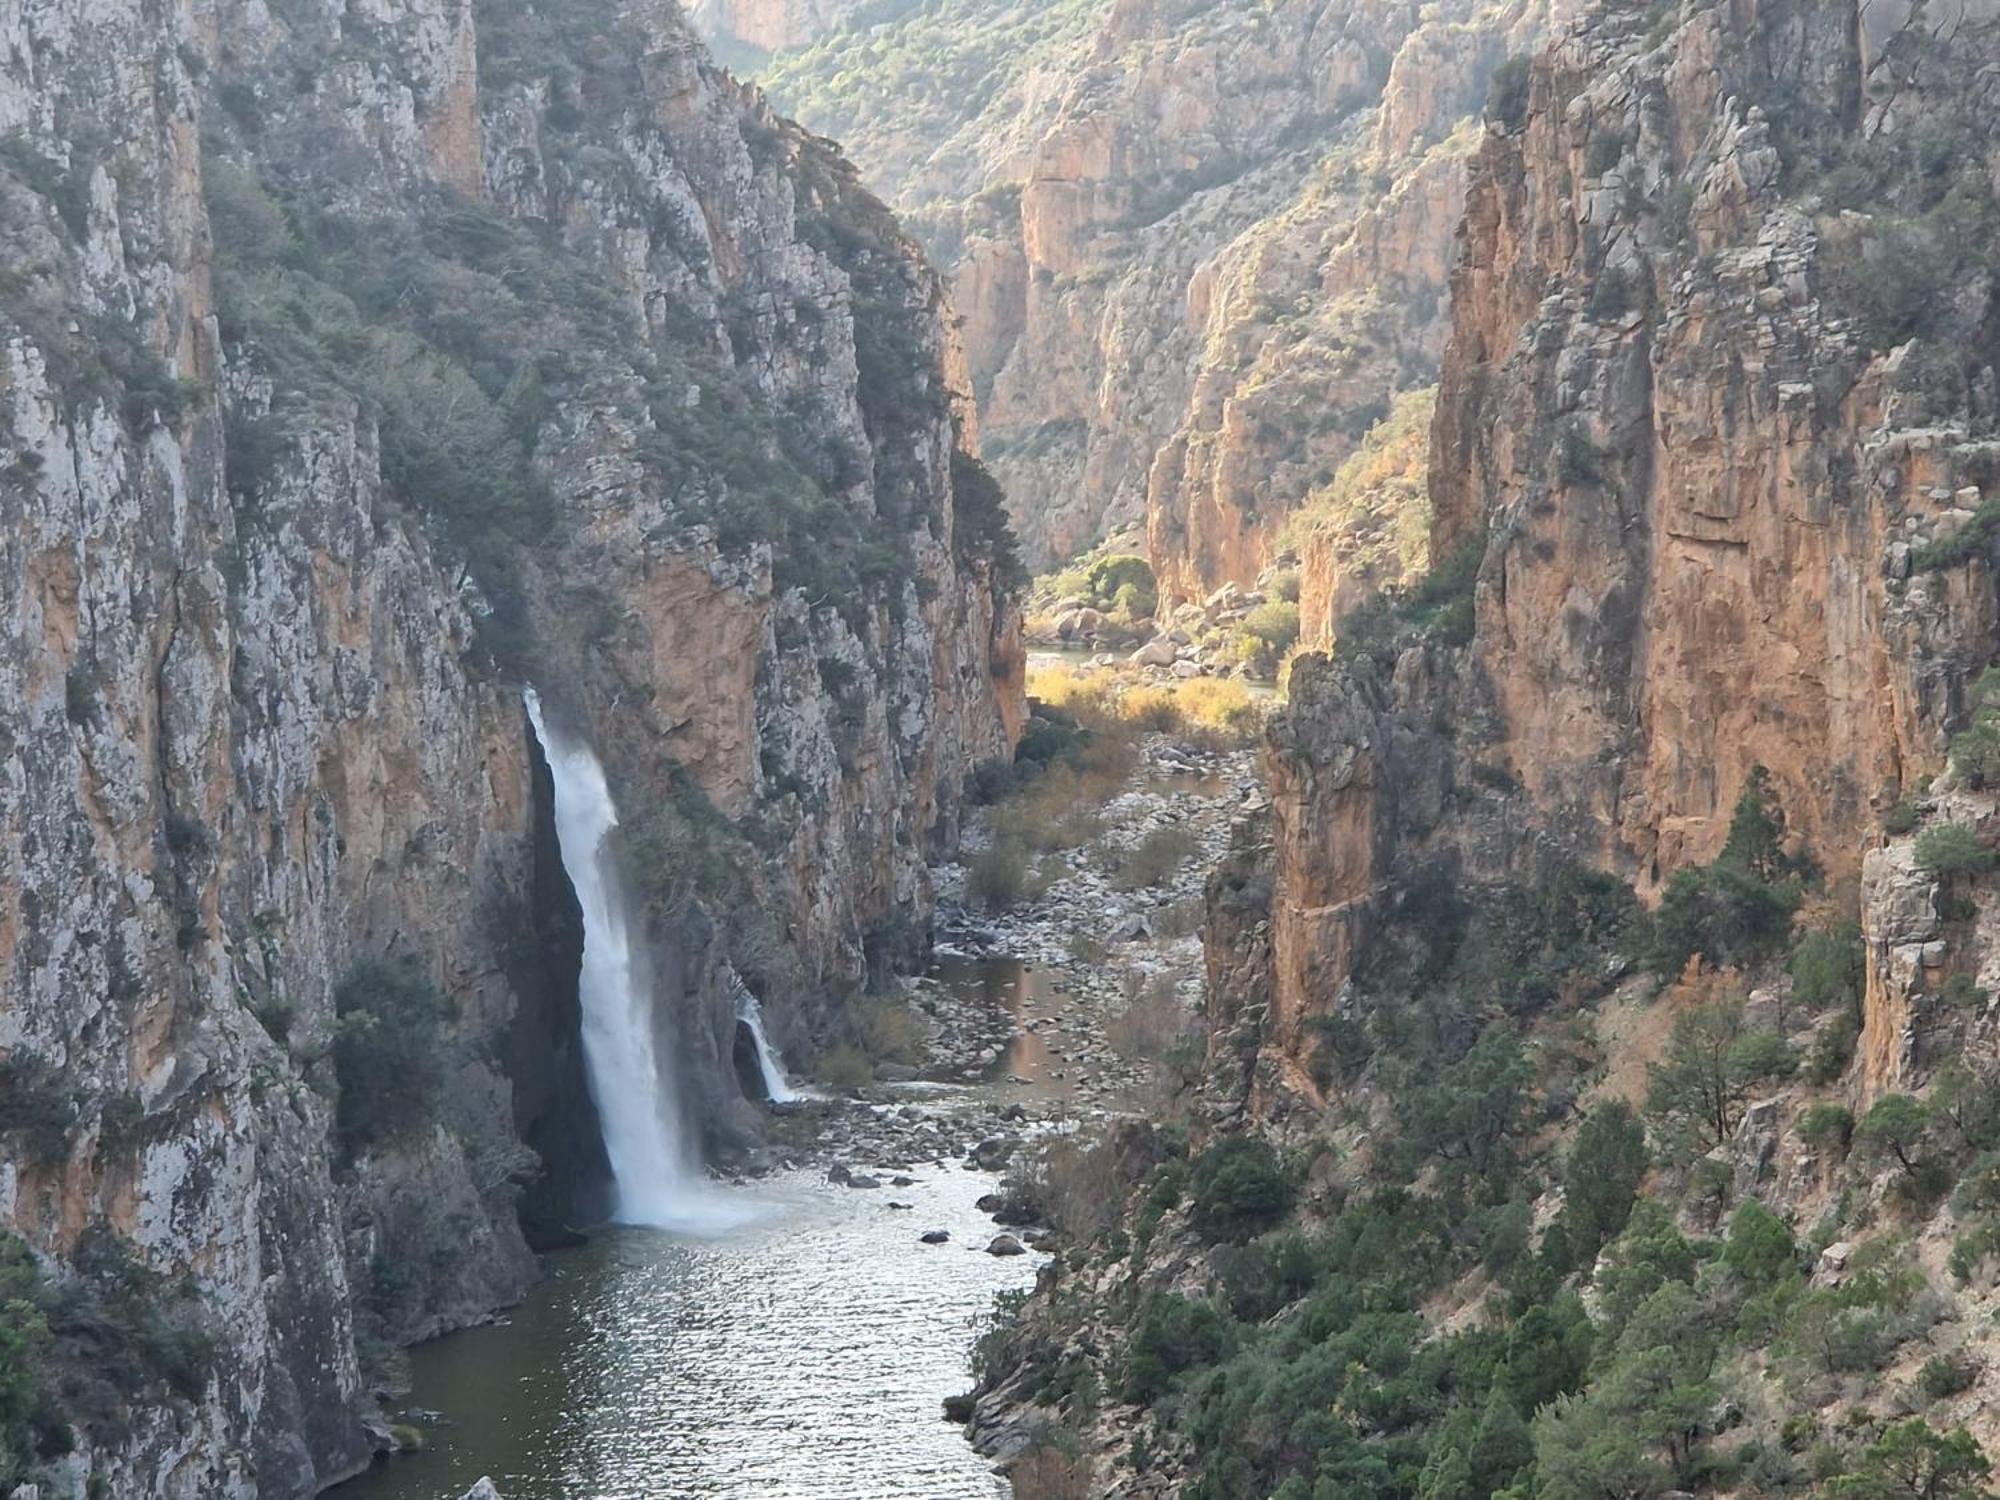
[(1153, 1024), (1155, 859), (1005, 876), (887, 1030), (1216, 710)]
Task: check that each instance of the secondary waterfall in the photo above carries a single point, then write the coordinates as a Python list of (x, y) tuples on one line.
[(655, 1174), (750, 1011)]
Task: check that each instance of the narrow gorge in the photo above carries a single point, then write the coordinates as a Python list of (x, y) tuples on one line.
[(1206, 749)]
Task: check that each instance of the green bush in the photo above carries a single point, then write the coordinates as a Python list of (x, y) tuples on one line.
[(1739, 908), (1601, 1178), (1952, 849), (388, 1051), (1124, 582), (1155, 858), (1760, 1248), (1239, 1189), (1945, 1375), (1829, 967), (1174, 1334), (24, 1354), (1827, 1127)]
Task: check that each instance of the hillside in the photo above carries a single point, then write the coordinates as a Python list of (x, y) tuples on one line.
[(1601, 1092)]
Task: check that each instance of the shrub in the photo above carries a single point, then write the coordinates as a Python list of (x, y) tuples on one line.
[(887, 1030), (388, 1051), (1174, 1334), (1952, 849), (1002, 877), (1154, 859), (1829, 967), (35, 1109), (1827, 1127), (1239, 1189), (1266, 633), (1945, 1375), (1123, 582), (845, 1069), (1760, 1248)]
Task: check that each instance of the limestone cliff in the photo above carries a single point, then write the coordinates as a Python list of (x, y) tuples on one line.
[(1714, 456), (359, 366), (1198, 249)]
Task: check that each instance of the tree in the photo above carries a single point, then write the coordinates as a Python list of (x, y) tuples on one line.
[(1476, 1105), (1601, 1179), (1756, 839), (1911, 1461), (1895, 1128), (1711, 1064), (1952, 849), (1828, 968), (1239, 1188), (24, 1346), (1760, 1248)]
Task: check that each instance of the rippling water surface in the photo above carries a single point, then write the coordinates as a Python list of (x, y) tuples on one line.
[(802, 1356)]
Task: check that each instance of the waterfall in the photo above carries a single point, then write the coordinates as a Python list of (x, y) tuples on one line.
[(656, 1177), (750, 1011)]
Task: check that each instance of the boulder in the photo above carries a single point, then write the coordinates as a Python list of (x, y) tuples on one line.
[(863, 1180), (484, 1490), (993, 1153), (1131, 929), (935, 1236), (838, 1175), (1158, 652), (1006, 1244)]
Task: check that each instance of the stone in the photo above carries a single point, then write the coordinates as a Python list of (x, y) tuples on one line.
[(863, 1180), (483, 1490), (1158, 652), (1005, 1245), (935, 1236)]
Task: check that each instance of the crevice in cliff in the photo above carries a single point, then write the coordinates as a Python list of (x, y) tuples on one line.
[(544, 1059)]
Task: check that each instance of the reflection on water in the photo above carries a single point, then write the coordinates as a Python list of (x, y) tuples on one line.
[(1026, 1068), (802, 1357)]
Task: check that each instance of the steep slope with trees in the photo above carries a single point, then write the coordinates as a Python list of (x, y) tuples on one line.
[(1602, 1087)]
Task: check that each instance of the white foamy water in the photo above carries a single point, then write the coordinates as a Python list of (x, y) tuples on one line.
[(777, 1087), (656, 1174)]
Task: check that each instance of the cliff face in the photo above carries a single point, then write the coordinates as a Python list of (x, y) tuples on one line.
[(357, 367), (1198, 249), (1713, 435)]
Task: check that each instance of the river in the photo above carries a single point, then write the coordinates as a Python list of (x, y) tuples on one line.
[(802, 1355)]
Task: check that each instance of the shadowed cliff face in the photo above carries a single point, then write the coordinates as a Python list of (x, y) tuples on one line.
[(1717, 422), (354, 368)]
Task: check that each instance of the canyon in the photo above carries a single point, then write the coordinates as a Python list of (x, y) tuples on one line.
[(513, 639)]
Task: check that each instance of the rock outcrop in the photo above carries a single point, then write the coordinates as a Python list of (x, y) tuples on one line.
[(1197, 249), (1714, 446), (357, 368)]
